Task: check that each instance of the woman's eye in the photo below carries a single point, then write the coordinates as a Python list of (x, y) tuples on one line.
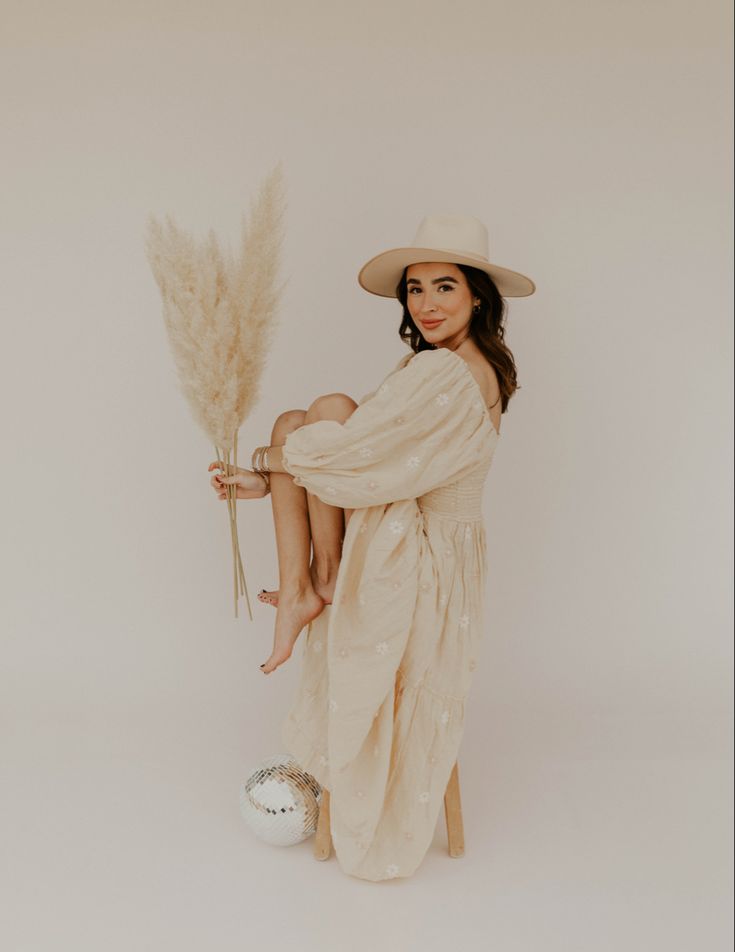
[(450, 286)]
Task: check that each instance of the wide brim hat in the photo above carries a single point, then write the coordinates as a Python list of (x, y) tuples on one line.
[(456, 239)]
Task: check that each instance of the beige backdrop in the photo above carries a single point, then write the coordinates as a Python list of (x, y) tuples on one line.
[(594, 140)]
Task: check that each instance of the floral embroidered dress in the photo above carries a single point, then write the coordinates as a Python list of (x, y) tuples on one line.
[(379, 711)]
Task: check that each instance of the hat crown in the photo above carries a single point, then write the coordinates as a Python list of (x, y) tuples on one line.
[(463, 234), (459, 239)]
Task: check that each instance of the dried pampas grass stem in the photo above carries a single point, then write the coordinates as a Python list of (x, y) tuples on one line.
[(219, 310)]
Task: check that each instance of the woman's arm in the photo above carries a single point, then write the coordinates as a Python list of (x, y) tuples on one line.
[(275, 459), (425, 426)]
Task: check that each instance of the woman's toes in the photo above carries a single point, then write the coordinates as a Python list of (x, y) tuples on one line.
[(268, 598), (273, 662)]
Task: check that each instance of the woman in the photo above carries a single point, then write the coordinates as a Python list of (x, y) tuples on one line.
[(388, 492)]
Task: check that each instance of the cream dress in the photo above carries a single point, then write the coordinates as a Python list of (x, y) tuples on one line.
[(378, 714)]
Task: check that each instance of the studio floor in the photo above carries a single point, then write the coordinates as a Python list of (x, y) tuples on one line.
[(119, 836)]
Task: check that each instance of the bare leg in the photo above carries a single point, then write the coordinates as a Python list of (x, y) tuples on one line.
[(328, 523), (300, 519), (299, 603)]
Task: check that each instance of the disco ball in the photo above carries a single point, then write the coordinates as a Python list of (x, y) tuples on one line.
[(280, 801)]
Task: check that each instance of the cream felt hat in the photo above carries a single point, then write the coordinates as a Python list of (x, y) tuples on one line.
[(456, 239)]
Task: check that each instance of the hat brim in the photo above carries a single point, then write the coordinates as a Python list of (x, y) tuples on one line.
[(381, 274)]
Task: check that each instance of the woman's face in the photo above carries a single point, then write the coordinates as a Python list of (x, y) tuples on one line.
[(439, 301)]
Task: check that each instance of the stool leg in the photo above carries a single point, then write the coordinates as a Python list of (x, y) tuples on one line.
[(323, 835), (453, 814)]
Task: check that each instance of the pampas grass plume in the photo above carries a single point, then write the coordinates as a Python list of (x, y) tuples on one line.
[(220, 310)]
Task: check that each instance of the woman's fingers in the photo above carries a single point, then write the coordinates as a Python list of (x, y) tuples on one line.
[(215, 483), (218, 479), (240, 479)]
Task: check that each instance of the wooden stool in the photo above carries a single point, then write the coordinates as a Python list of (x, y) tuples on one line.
[(452, 816)]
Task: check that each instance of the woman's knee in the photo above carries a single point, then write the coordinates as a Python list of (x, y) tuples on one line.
[(331, 406), (286, 423)]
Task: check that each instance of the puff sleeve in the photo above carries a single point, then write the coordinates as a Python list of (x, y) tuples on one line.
[(425, 426)]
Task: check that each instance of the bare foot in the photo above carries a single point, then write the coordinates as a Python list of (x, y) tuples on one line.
[(325, 590), (293, 613)]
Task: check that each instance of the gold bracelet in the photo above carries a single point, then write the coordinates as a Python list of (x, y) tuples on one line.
[(257, 464), (260, 459), (256, 458), (263, 459)]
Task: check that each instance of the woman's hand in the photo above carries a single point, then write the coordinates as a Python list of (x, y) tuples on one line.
[(249, 484)]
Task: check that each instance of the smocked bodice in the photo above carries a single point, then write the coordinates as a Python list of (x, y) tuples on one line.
[(461, 500)]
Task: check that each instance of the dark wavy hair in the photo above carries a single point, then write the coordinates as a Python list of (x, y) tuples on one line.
[(487, 327)]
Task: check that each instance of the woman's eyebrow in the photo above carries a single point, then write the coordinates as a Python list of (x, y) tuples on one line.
[(435, 281)]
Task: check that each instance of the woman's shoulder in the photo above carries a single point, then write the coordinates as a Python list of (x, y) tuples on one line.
[(475, 364), (428, 362)]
